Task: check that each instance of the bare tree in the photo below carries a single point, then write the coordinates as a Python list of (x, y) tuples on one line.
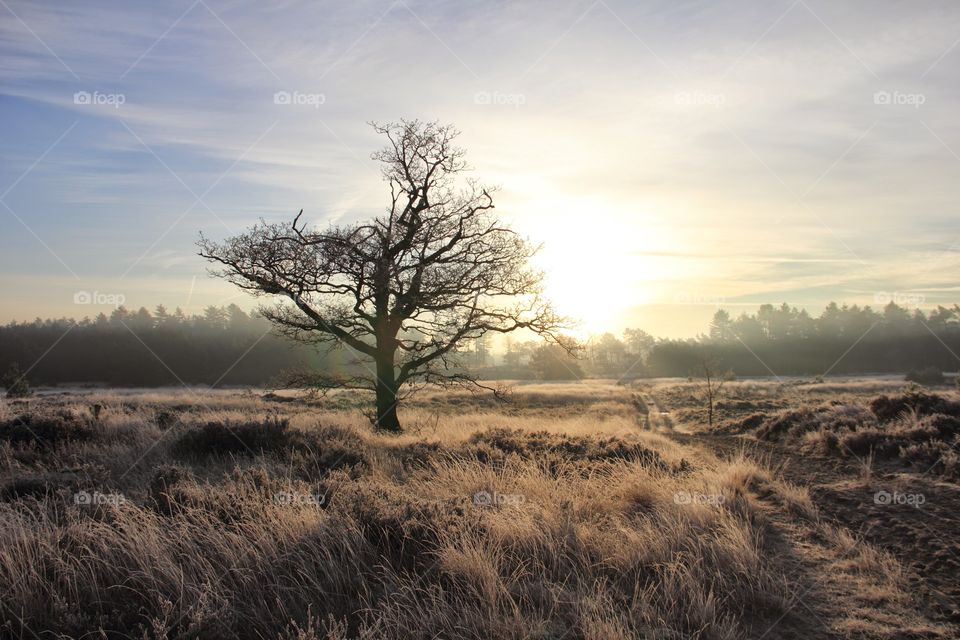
[(405, 289), (712, 380)]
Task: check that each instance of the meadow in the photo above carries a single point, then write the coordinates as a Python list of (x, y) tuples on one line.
[(589, 510)]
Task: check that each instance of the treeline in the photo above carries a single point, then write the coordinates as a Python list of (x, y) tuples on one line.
[(226, 346), (223, 346), (785, 340)]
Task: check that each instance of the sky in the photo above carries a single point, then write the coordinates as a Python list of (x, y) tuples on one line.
[(672, 157)]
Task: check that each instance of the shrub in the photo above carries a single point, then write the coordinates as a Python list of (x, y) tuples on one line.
[(314, 454), (405, 529), (887, 408), (793, 423), (862, 442), (945, 426), (166, 419), (926, 376), (324, 449), (551, 448), (15, 383), (163, 491), (45, 430), (246, 438), (936, 456)]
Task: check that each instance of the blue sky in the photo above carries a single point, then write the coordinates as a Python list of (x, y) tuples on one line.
[(672, 156)]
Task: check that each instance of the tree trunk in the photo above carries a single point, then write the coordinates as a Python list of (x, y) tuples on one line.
[(386, 394)]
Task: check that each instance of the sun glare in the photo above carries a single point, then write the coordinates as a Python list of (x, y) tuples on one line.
[(588, 269)]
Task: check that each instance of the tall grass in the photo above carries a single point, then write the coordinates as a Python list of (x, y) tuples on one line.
[(487, 525)]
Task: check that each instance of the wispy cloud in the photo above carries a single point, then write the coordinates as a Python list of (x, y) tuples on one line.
[(760, 148)]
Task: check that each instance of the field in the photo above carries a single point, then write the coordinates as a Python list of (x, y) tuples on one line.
[(591, 510)]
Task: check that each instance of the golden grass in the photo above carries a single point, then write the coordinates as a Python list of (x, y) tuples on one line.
[(592, 530)]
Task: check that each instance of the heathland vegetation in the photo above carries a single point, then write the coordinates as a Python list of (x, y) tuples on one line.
[(230, 514)]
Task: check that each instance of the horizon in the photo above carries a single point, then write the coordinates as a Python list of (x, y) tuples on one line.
[(106, 307), (808, 158)]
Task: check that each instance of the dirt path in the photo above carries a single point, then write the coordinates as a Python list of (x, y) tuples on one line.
[(650, 413), (922, 537)]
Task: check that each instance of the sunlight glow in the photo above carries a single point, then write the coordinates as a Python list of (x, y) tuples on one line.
[(588, 269)]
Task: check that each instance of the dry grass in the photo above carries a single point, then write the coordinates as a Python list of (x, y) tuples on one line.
[(245, 517)]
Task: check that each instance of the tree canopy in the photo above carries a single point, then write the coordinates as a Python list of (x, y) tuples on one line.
[(405, 289)]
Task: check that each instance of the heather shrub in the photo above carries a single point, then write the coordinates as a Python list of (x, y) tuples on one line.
[(887, 408), (45, 430), (543, 445), (245, 439)]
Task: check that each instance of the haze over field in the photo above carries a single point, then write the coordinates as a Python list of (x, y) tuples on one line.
[(670, 156)]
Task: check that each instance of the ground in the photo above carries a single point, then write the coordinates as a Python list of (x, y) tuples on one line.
[(575, 510)]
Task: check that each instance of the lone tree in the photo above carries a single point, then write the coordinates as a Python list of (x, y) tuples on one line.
[(437, 269)]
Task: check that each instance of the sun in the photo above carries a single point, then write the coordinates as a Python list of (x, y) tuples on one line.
[(595, 279)]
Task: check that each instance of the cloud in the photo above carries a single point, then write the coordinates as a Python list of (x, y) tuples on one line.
[(738, 147)]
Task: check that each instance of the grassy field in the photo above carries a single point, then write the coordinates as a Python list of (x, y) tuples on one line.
[(810, 510)]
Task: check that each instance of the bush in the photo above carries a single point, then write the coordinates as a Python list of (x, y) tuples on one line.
[(163, 488), (743, 425), (314, 454), (556, 450), (247, 438), (793, 423), (15, 383), (936, 456), (166, 419), (945, 426), (45, 430), (887, 408), (326, 448), (926, 376), (861, 443)]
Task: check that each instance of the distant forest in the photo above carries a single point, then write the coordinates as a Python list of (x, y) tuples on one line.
[(223, 346), (842, 340), (227, 346)]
